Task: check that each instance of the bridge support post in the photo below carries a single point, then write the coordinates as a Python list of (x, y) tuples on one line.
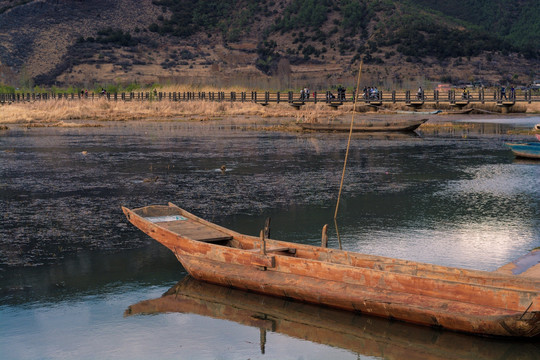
[(505, 106)]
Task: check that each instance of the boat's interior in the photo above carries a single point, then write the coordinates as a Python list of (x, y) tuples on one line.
[(175, 220)]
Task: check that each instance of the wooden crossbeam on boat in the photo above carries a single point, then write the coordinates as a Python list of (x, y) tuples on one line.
[(289, 250)]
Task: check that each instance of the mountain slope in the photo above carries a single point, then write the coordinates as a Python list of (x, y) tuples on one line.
[(280, 44), (515, 21)]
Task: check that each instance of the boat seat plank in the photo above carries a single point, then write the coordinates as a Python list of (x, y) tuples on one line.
[(195, 231), (275, 249)]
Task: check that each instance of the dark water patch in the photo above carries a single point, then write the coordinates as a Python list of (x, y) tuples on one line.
[(88, 273), (62, 188)]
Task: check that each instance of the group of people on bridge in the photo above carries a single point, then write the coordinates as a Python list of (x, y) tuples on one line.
[(371, 93), (340, 94), (304, 94), (512, 94)]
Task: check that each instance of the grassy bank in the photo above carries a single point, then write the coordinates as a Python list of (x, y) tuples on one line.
[(53, 111), (102, 110)]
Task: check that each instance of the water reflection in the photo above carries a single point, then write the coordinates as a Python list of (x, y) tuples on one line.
[(363, 335)]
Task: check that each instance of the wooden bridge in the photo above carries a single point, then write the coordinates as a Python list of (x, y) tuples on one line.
[(415, 100)]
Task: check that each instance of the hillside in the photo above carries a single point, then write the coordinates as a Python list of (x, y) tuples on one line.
[(271, 44)]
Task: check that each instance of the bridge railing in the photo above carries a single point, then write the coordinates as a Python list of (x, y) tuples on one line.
[(266, 97)]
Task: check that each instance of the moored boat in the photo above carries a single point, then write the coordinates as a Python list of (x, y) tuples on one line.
[(463, 300), (525, 150), (434, 112), (375, 125)]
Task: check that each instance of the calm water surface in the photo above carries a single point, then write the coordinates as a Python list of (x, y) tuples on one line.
[(75, 276)]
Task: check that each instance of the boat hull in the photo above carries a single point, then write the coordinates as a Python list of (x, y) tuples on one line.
[(411, 308), (467, 301), (363, 126), (526, 150)]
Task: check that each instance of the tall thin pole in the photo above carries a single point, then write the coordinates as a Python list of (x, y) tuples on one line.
[(350, 136)]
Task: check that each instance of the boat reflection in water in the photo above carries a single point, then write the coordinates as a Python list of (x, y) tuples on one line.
[(365, 335)]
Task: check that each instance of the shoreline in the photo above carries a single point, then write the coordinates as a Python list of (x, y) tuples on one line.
[(517, 126), (255, 117)]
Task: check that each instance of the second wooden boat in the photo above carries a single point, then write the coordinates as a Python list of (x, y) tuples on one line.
[(463, 300), (375, 125)]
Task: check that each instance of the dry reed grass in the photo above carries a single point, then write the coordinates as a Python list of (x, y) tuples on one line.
[(54, 111), (102, 110)]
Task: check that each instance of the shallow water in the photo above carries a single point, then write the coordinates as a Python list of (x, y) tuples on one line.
[(452, 197)]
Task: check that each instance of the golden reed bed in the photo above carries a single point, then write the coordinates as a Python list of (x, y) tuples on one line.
[(63, 110)]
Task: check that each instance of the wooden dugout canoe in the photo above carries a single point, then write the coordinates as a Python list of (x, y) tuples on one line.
[(477, 302), (364, 125), (365, 335)]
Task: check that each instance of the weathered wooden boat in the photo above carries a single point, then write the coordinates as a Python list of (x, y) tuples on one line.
[(434, 112), (365, 335), (463, 300), (375, 125), (526, 150)]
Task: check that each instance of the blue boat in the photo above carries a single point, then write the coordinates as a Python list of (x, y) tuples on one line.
[(526, 150)]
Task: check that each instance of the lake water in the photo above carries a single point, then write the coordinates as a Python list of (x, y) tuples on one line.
[(73, 271)]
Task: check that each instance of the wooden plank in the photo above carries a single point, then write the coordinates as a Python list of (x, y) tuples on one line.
[(275, 249), (195, 231)]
